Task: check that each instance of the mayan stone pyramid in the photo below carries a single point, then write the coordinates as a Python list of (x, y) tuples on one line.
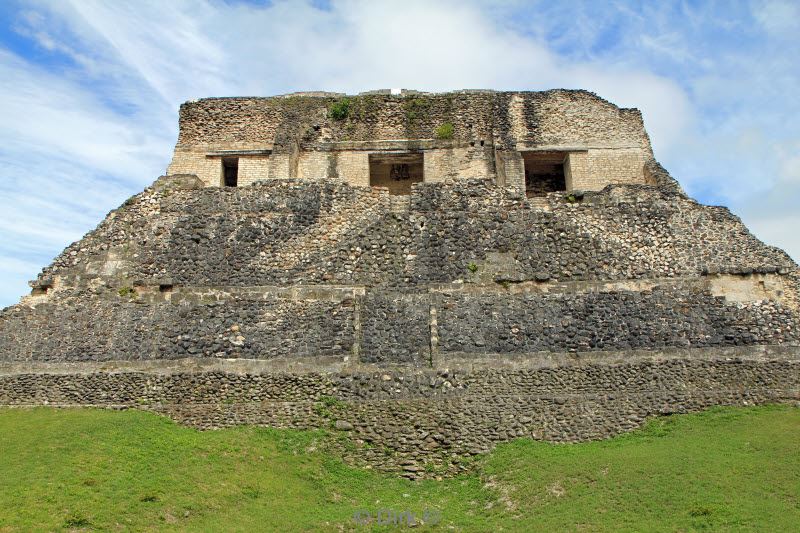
[(425, 275)]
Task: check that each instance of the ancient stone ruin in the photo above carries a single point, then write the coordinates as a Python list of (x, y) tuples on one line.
[(426, 275)]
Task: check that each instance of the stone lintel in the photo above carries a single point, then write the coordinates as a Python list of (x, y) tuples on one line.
[(240, 153), (599, 145)]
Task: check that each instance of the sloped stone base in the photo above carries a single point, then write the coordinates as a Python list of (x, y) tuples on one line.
[(426, 422)]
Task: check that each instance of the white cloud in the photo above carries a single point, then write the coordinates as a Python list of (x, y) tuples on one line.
[(781, 17), (773, 216), (66, 160), (57, 118), (166, 48), (195, 50), (773, 229), (788, 153)]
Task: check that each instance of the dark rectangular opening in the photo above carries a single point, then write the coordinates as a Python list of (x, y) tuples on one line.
[(230, 171), (396, 171), (544, 172)]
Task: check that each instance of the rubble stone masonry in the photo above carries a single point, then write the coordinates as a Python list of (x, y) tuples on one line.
[(421, 329)]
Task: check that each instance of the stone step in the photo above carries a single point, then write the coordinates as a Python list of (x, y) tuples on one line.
[(539, 202), (328, 230), (400, 203)]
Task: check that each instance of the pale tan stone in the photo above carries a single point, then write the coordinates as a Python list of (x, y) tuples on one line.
[(602, 144)]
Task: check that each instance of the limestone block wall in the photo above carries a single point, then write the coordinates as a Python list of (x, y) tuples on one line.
[(593, 169), (564, 118), (510, 169), (189, 161), (209, 169), (609, 144), (459, 163), (349, 166), (440, 165), (353, 167), (252, 168), (315, 165), (603, 144), (624, 166), (576, 172), (283, 165)]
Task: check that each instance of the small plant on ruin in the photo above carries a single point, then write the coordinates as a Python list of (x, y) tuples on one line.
[(445, 131), (127, 292), (327, 406), (472, 267), (415, 108), (571, 198), (330, 401), (322, 411), (340, 109)]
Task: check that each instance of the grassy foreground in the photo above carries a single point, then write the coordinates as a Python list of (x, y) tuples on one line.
[(83, 469)]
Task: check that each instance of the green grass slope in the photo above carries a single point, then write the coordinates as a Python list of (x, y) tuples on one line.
[(731, 469)]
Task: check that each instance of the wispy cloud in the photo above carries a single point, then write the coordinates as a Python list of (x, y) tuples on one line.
[(90, 90)]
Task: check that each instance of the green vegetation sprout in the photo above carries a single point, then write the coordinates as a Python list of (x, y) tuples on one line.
[(127, 292), (445, 131), (340, 109), (415, 108)]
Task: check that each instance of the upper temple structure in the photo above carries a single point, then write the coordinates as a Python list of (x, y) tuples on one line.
[(425, 274), (536, 141)]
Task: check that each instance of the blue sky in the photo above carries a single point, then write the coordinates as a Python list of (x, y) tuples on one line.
[(90, 90)]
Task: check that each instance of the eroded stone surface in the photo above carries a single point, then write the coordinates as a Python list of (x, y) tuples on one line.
[(422, 329)]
